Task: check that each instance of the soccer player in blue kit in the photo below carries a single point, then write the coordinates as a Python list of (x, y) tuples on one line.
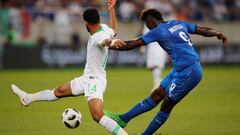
[(173, 37)]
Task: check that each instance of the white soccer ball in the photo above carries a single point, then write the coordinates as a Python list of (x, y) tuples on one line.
[(71, 118)]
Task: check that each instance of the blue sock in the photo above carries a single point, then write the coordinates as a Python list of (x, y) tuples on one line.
[(138, 109), (156, 123)]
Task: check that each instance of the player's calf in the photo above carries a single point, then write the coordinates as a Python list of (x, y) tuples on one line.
[(161, 116), (27, 98), (97, 115), (96, 109), (167, 105), (112, 126)]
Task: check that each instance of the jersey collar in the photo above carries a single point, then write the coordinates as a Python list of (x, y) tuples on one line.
[(100, 29)]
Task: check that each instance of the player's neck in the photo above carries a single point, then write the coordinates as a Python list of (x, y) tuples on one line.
[(94, 28), (159, 22), (162, 21)]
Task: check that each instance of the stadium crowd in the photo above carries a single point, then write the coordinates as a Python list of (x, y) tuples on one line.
[(201, 10), (18, 15)]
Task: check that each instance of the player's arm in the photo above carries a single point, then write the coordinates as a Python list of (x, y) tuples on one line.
[(210, 32), (113, 20), (112, 23), (120, 45), (151, 36)]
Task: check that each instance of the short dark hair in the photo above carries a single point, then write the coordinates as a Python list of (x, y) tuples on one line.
[(91, 16), (151, 12)]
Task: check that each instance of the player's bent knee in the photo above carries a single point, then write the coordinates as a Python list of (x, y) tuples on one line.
[(158, 94), (60, 92), (63, 91)]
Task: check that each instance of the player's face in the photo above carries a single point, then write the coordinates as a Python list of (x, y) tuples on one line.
[(86, 24), (149, 25)]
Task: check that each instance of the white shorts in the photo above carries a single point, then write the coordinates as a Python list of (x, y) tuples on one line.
[(91, 87), (156, 56)]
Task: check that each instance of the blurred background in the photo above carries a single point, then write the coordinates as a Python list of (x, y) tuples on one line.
[(50, 33), (39, 38)]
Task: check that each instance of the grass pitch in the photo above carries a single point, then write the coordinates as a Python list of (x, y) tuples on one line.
[(212, 108)]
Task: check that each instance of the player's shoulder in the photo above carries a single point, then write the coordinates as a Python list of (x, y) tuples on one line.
[(174, 22), (103, 33), (180, 23), (98, 36), (184, 22), (107, 30), (105, 27)]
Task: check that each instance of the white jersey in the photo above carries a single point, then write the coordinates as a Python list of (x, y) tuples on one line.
[(97, 55), (156, 56)]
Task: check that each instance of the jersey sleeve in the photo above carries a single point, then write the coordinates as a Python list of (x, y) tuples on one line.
[(190, 27), (150, 36), (109, 30), (100, 39), (106, 34)]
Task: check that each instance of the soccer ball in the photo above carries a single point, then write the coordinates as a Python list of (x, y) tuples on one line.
[(71, 118)]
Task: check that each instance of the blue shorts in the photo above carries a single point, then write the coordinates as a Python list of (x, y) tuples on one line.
[(178, 84)]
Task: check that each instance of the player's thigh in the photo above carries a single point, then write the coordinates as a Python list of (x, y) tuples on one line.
[(167, 80), (158, 94), (95, 89), (96, 108), (78, 85), (184, 82)]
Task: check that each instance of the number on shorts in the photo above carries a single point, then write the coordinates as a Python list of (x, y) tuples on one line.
[(173, 85), (93, 88)]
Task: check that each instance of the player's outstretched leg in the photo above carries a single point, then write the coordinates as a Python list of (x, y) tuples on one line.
[(96, 108), (142, 107), (45, 95), (161, 116)]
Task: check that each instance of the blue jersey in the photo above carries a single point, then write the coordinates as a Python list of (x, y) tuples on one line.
[(173, 37)]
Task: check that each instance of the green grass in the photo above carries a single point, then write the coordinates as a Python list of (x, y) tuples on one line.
[(212, 108)]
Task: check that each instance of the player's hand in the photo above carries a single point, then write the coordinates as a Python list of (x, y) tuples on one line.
[(117, 43), (106, 42), (224, 39), (111, 4)]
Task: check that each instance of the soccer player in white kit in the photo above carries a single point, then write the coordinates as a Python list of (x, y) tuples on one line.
[(93, 82), (156, 59)]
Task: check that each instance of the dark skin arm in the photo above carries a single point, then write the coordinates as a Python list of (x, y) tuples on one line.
[(204, 31), (128, 45), (210, 32)]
